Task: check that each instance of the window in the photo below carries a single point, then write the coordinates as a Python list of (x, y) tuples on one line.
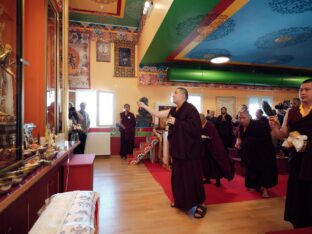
[(100, 106), (194, 99), (89, 97), (255, 103), (106, 108)]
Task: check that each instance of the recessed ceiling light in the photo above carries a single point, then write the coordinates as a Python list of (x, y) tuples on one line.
[(221, 59), (282, 39)]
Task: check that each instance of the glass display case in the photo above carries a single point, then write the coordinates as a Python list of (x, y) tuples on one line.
[(54, 65), (10, 82)]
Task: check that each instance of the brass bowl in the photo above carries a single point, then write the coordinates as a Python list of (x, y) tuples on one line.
[(16, 176), (49, 155), (29, 167), (5, 185), (42, 149), (30, 152)]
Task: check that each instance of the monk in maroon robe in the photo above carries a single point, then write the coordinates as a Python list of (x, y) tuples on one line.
[(298, 207), (186, 149), (216, 162), (258, 154), (127, 132)]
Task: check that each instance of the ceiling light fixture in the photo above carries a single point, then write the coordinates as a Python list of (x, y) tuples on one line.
[(220, 59), (148, 5)]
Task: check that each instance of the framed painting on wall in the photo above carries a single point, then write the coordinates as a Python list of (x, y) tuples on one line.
[(228, 102), (102, 51), (124, 59), (79, 60)]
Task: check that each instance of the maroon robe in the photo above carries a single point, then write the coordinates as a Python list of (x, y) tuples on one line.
[(186, 150), (298, 207), (225, 129), (216, 162), (127, 135), (258, 155)]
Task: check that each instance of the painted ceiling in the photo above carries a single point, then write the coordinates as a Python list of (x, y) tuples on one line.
[(268, 33), (125, 13)]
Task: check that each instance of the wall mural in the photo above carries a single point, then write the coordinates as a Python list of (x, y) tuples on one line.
[(152, 75), (102, 51), (105, 32), (124, 59), (79, 60)]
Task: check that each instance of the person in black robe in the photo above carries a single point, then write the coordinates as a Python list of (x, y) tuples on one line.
[(260, 117), (84, 122), (225, 128), (257, 153), (216, 162), (211, 116), (127, 132), (74, 117), (298, 207), (186, 150)]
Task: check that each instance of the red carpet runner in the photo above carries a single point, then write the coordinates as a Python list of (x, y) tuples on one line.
[(232, 191)]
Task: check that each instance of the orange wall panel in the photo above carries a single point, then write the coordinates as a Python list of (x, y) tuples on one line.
[(34, 76)]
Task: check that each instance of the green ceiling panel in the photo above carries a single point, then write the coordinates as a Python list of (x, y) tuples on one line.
[(170, 35), (133, 13), (212, 76)]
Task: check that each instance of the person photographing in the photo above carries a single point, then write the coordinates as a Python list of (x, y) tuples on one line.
[(298, 123)]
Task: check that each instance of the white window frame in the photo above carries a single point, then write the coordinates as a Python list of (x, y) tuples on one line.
[(193, 94), (98, 112), (97, 100), (201, 100), (260, 100)]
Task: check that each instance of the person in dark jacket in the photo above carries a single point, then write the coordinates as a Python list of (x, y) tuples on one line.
[(224, 126)]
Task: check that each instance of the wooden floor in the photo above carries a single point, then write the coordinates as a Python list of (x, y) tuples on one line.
[(133, 202)]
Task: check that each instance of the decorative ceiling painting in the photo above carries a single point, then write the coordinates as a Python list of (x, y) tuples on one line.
[(269, 33), (126, 13), (101, 7)]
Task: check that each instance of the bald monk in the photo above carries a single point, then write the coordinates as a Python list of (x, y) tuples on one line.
[(258, 154), (186, 150)]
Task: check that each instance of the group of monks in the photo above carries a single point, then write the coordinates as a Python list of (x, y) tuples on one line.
[(191, 138)]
